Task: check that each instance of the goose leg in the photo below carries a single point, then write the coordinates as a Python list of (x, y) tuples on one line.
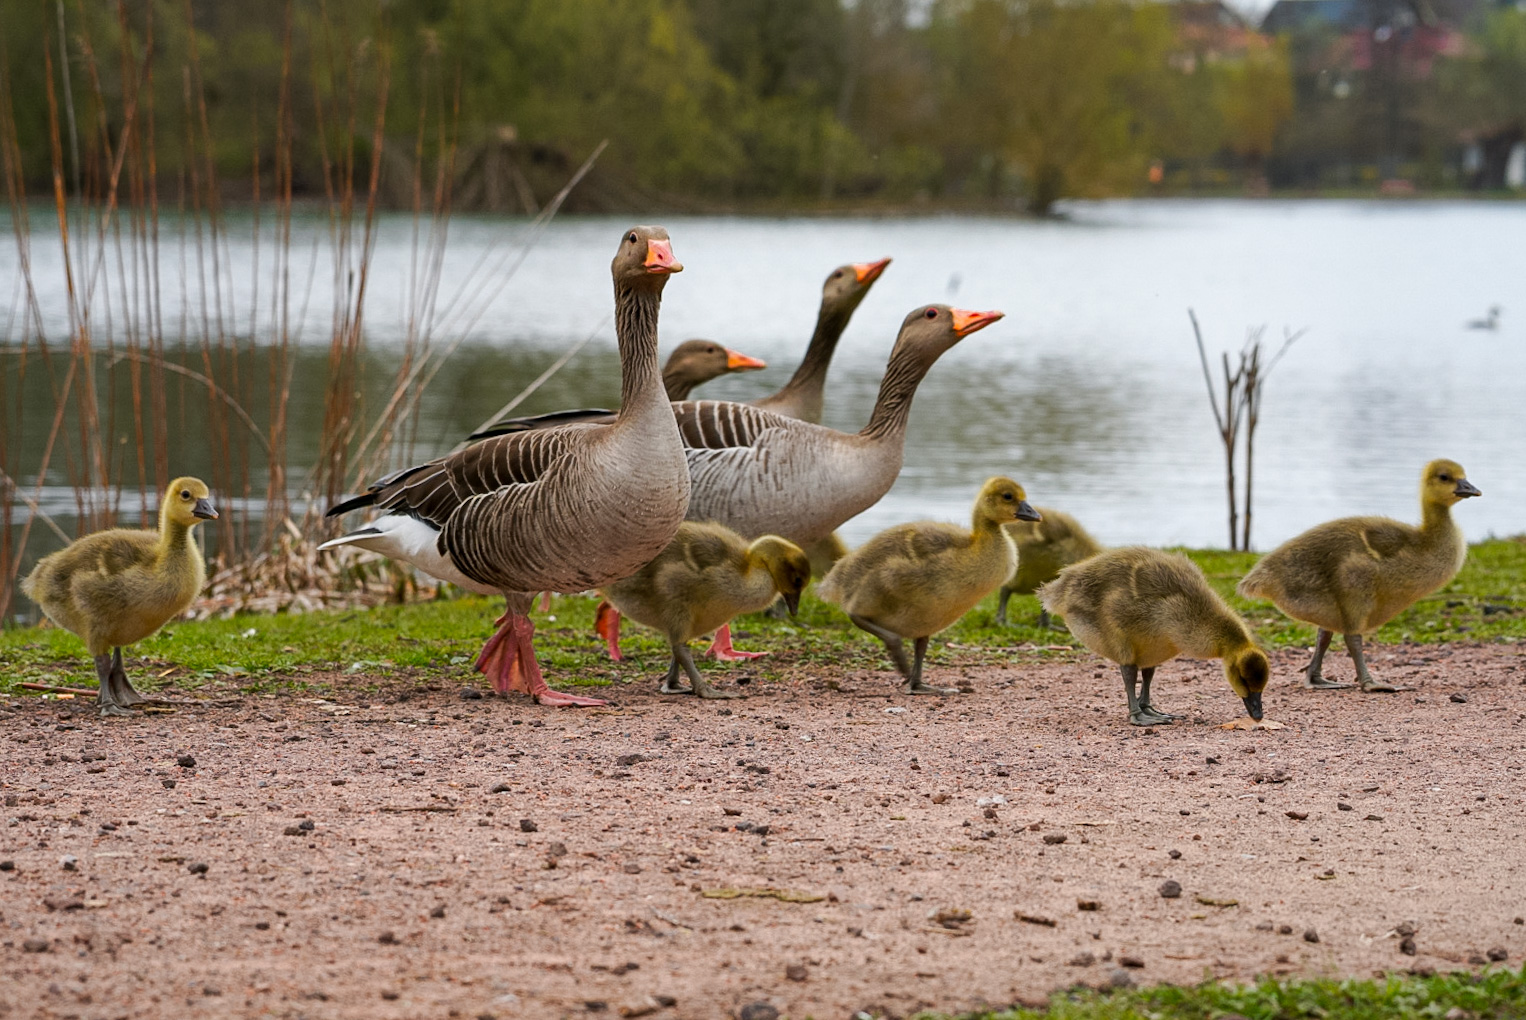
[(697, 680), (721, 650), (1001, 607), (106, 699), (892, 641), (1145, 676), (1312, 679), (509, 659), (915, 684), (1139, 715), (606, 623), (671, 683), (1370, 685)]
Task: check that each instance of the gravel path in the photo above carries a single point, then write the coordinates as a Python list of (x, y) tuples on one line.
[(823, 846)]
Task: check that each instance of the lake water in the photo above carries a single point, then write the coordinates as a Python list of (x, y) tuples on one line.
[(1088, 392)]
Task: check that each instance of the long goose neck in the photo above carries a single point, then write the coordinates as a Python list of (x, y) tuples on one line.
[(641, 387), (902, 376), (810, 379)]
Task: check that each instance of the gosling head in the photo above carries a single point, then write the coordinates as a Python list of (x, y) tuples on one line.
[(1446, 483), (933, 329), (1003, 501), (847, 286), (1247, 671), (186, 502), (704, 360), (786, 563), (645, 258)]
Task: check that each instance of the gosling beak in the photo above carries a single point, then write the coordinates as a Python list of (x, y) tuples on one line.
[(868, 272), (1025, 512), (792, 600), (966, 322), (204, 510), (659, 258), (1465, 489), (736, 361), (1253, 705)]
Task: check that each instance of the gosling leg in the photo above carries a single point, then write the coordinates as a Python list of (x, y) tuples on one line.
[(1046, 621), (892, 641), (1312, 679), (915, 684), (1145, 676), (1371, 686), (1138, 714), (106, 699), (697, 680), (1001, 607), (671, 683)]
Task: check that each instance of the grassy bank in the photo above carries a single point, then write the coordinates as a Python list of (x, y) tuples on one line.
[(1493, 995), (435, 641)]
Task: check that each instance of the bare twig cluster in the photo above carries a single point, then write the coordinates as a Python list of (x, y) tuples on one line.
[(1235, 399)]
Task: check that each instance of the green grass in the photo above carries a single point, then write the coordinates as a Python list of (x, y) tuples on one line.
[(1496, 994), (435, 641)]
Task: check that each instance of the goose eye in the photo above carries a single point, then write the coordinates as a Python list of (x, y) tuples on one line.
[(837, 275), (632, 239), (931, 313), (185, 493)]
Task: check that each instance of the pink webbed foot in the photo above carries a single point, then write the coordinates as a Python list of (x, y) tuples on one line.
[(509, 659), (606, 623), (560, 699), (720, 648)]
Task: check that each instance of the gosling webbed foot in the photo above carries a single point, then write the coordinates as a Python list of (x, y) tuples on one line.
[(919, 687), (1371, 686), (1143, 717), (108, 708), (1166, 718), (673, 687), (1319, 683), (711, 693)]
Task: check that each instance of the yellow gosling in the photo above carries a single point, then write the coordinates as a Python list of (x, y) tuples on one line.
[(705, 577), (913, 580), (1351, 576), (1140, 607), (116, 587), (1044, 548)]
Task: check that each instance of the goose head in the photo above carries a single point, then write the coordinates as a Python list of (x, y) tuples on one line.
[(847, 285), (1247, 671), (645, 258), (1002, 501), (786, 563), (187, 503), (932, 329), (699, 361), (1445, 483)]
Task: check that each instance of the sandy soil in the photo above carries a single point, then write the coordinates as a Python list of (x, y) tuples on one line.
[(295, 858)]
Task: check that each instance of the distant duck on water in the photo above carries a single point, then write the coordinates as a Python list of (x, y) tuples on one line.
[(1490, 322)]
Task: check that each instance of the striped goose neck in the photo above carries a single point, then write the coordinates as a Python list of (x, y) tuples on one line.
[(636, 331), (811, 376), (902, 376)]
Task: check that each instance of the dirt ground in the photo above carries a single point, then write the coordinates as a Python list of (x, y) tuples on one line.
[(425, 854)]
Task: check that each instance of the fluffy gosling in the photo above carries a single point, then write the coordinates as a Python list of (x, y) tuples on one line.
[(706, 576), (1044, 548), (1351, 576), (913, 580), (1140, 607), (116, 587)]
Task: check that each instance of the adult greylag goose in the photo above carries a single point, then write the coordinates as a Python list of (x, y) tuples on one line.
[(116, 587), (1352, 575), (563, 508), (913, 580), (1141, 607), (695, 362)]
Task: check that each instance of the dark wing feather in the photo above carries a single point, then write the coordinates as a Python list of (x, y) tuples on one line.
[(597, 415)]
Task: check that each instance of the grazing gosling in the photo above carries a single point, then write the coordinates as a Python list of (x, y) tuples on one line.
[(1140, 607), (1044, 548), (913, 580), (1351, 576), (116, 587), (707, 575)]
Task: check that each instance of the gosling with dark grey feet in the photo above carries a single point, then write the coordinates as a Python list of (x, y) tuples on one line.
[(1044, 548), (1140, 607), (706, 576), (116, 587), (1351, 576), (913, 580)]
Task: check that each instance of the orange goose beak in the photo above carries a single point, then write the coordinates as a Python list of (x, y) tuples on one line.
[(736, 361), (967, 322), (868, 272), (659, 258)]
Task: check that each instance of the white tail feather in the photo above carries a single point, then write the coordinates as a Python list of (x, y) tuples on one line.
[(410, 540)]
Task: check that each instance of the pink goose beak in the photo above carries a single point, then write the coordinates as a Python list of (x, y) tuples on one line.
[(659, 258), (868, 272), (736, 361), (967, 322)]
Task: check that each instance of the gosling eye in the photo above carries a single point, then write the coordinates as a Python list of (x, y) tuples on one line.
[(1007, 496), (185, 493), (1444, 477), (931, 313)]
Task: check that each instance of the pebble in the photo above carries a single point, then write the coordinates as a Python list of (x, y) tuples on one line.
[(1286, 929), (185, 761), (1499, 954), (1088, 905), (526, 825), (1175, 855), (631, 868), (1406, 928), (169, 784), (1055, 838), (1460, 698), (795, 972), (438, 912), (471, 694), (198, 867), (1373, 818), (68, 862), (1170, 889), (732, 811), (1343, 806), (1132, 962), (1081, 960), (1120, 978), (940, 798), (1407, 945), (7, 865), (499, 788), (36, 946), (757, 1011), (1310, 935), (387, 938), (1298, 816)]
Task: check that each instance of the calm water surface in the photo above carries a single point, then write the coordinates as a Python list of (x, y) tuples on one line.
[(1089, 392)]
